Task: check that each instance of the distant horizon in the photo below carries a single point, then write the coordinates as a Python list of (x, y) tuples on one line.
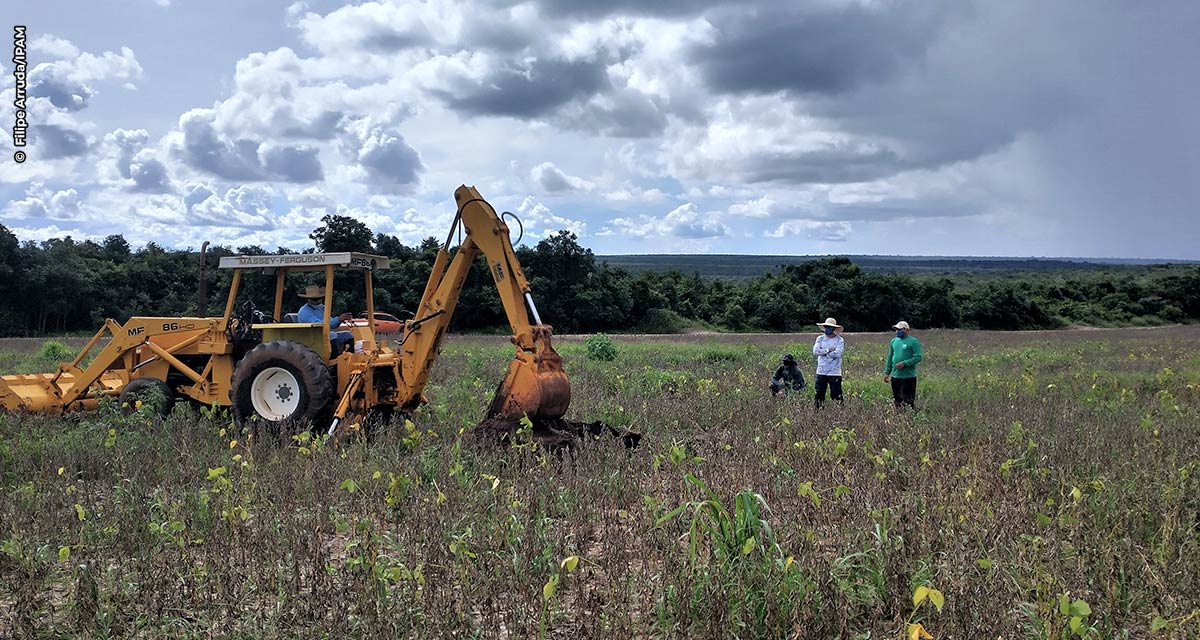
[(1090, 259), (1086, 259)]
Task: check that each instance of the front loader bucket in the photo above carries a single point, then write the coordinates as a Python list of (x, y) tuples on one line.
[(536, 384), (42, 392)]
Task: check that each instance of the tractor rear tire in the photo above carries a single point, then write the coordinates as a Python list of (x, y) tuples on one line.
[(146, 390), (279, 385)]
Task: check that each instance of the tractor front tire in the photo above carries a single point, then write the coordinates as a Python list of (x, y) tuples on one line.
[(141, 391), (280, 385)]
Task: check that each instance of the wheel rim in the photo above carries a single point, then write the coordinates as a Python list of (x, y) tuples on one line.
[(275, 393)]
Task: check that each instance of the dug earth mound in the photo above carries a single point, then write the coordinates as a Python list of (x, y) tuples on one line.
[(556, 434)]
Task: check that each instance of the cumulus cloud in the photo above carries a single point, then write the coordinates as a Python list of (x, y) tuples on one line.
[(619, 114), (759, 208), (827, 231), (67, 83), (58, 141), (754, 141), (281, 95), (243, 159), (684, 222), (539, 221), (51, 81), (204, 149), (629, 192), (528, 88), (387, 161), (54, 47), (245, 206), (380, 27), (598, 8), (41, 203), (136, 163), (149, 174), (291, 163), (553, 180), (125, 143)]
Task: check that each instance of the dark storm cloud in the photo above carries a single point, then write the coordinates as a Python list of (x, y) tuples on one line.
[(53, 141), (529, 92), (800, 49), (50, 81), (831, 165), (896, 209)]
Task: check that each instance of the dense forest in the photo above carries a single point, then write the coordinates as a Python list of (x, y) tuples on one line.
[(64, 285), (738, 266)]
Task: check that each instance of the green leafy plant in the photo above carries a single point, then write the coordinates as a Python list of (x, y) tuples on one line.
[(55, 351), (725, 535), (601, 348)]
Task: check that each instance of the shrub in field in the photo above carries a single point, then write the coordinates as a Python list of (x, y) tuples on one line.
[(602, 348), (716, 352), (662, 321), (55, 350)]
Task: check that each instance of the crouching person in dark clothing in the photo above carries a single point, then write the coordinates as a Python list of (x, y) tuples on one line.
[(788, 377)]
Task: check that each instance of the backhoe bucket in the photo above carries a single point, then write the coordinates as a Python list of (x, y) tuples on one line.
[(536, 384)]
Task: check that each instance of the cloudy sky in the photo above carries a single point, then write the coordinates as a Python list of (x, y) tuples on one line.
[(955, 127)]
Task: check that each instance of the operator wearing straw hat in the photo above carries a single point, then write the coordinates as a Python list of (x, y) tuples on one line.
[(313, 311), (828, 349)]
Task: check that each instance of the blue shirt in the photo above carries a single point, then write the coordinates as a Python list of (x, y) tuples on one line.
[(829, 364), (314, 314)]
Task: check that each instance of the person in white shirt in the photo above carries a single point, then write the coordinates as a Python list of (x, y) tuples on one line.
[(828, 349)]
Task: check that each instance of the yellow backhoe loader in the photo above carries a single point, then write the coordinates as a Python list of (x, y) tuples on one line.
[(280, 374)]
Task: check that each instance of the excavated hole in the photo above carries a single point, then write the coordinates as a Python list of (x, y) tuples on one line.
[(558, 434)]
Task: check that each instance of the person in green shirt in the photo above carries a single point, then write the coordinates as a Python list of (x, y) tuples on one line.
[(904, 352)]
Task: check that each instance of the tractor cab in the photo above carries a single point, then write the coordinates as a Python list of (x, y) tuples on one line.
[(249, 326), (289, 372)]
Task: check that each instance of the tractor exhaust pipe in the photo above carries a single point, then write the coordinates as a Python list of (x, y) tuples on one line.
[(201, 304)]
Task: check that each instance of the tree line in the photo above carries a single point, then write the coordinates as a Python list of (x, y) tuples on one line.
[(64, 285)]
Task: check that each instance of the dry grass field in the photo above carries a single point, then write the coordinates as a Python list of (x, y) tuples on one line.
[(1048, 488)]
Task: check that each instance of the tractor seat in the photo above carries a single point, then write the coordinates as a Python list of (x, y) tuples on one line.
[(291, 317)]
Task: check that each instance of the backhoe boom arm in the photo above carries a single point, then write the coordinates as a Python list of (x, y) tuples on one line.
[(535, 384)]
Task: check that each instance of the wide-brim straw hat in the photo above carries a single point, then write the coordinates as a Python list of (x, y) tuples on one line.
[(830, 322), (313, 292)]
